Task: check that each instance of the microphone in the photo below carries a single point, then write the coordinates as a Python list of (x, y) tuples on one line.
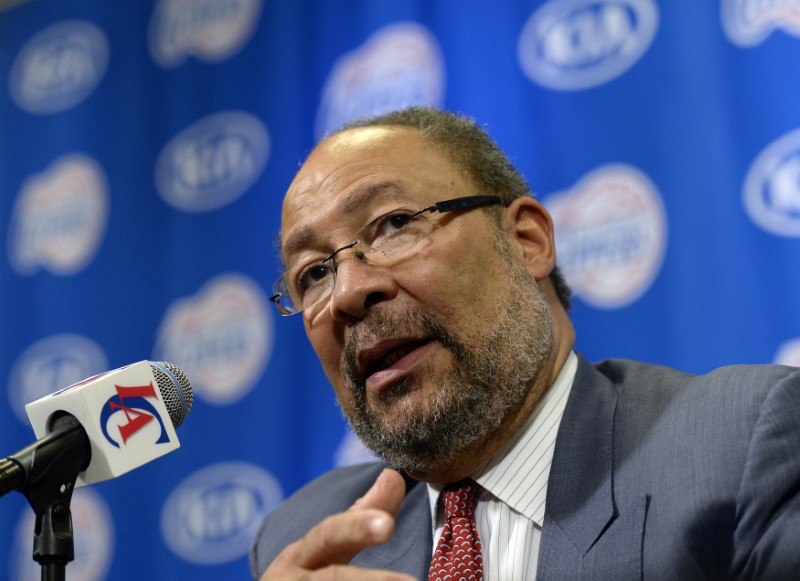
[(107, 424)]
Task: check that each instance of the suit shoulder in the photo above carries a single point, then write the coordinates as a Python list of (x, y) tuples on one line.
[(755, 379), (623, 372), (727, 397)]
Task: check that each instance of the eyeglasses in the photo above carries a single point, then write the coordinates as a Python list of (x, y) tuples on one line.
[(386, 241)]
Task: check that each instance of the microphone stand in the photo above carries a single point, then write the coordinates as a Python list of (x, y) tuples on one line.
[(46, 472)]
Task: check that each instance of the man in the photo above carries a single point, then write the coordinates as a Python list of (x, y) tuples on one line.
[(444, 332)]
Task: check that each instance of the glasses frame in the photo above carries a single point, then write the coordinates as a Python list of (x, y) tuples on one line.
[(451, 205)]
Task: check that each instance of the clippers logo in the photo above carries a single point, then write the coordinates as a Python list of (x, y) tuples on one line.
[(570, 45), (212, 516), (213, 162), (749, 22), (211, 30), (221, 338), (771, 193), (59, 217), (398, 66), (59, 67), (132, 403), (610, 235)]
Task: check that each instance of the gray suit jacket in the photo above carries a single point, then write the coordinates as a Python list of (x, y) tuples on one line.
[(656, 474)]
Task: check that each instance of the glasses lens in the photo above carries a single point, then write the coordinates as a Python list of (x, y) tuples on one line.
[(313, 284), (282, 298), (394, 236)]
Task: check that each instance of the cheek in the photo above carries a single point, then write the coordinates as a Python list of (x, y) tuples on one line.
[(330, 356), (329, 348), (343, 396), (465, 290), (453, 283)]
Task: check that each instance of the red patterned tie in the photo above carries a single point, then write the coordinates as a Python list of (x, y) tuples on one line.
[(458, 554)]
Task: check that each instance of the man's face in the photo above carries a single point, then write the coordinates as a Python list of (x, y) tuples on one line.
[(426, 357)]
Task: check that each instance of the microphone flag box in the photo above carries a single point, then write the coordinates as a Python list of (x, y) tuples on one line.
[(123, 413)]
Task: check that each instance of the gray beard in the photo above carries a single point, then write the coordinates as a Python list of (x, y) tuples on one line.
[(483, 386)]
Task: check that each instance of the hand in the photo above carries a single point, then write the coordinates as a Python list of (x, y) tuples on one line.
[(325, 550)]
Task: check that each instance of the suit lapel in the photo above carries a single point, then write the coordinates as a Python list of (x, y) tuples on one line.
[(580, 497)]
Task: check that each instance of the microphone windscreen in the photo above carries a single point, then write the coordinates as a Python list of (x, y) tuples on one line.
[(176, 391)]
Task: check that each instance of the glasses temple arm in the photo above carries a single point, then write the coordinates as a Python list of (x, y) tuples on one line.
[(460, 203)]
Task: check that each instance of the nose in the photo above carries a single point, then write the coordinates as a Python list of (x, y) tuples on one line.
[(358, 286)]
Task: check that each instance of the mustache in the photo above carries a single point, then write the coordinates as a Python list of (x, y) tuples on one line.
[(381, 325)]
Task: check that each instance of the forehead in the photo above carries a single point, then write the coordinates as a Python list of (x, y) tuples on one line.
[(357, 170)]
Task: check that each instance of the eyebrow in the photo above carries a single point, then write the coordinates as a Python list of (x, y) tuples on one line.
[(351, 202)]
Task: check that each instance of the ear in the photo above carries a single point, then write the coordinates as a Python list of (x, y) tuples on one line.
[(530, 230)]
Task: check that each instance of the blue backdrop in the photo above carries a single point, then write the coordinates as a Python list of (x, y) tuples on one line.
[(145, 147)]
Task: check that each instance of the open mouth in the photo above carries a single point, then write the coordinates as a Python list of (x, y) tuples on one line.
[(393, 356)]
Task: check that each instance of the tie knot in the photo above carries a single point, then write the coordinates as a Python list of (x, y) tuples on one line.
[(459, 498)]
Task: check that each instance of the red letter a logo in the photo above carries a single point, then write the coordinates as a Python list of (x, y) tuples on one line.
[(136, 419)]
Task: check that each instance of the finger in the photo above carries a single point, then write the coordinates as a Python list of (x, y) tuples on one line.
[(386, 493), (337, 539)]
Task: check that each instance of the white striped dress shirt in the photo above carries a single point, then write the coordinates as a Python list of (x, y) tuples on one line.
[(510, 510)]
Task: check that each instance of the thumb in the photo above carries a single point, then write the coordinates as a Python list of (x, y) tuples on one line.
[(386, 493)]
